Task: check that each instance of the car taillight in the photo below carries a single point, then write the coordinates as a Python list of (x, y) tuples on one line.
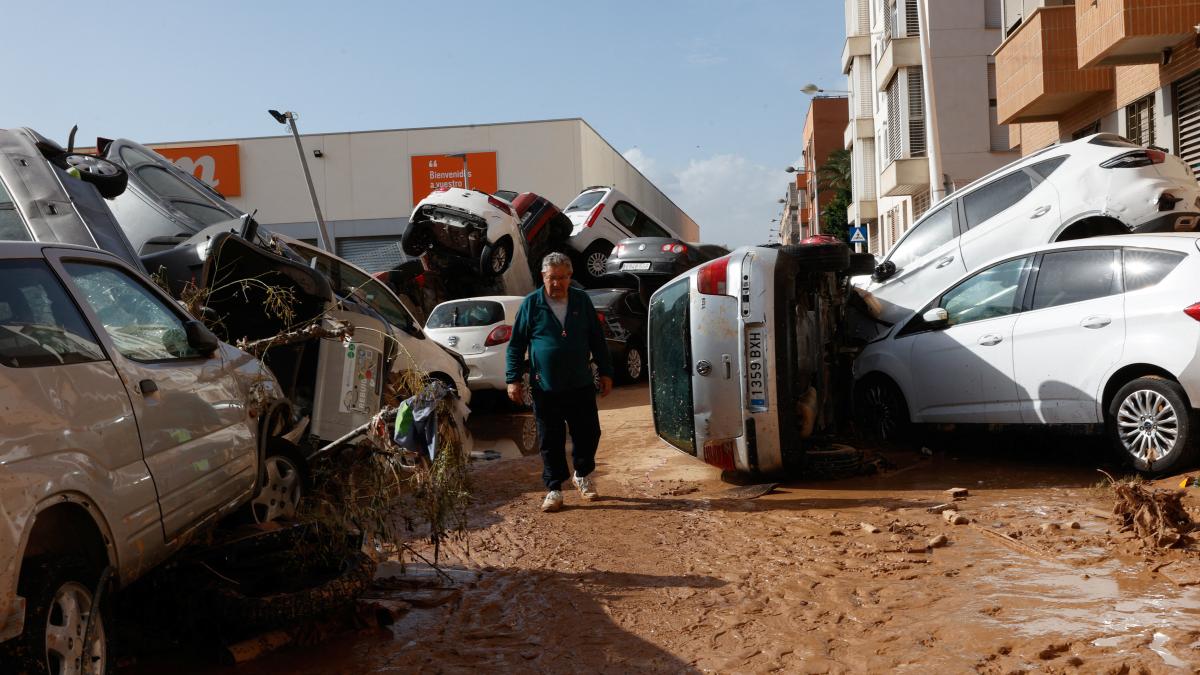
[(1193, 311), (1135, 159), (420, 279), (710, 280), (591, 219), (721, 454), (674, 248), (498, 336), (604, 324), (620, 249), (500, 205)]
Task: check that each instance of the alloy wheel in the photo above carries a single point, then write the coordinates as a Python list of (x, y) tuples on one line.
[(595, 263), (93, 165), (882, 411), (633, 363), (1147, 425), (68, 650), (499, 259), (281, 494)]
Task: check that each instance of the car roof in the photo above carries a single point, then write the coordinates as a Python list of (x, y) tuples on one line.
[(1179, 241), (34, 249), (502, 299)]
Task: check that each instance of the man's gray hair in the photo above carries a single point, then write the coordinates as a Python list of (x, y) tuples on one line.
[(556, 259)]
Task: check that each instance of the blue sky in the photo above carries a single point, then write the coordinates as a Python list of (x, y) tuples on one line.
[(703, 96)]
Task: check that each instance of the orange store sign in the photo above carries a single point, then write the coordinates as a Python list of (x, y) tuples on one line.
[(216, 165), (430, 172)]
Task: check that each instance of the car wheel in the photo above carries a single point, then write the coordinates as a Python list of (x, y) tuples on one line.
[(283, 486), (526, 392), (59, 596), (833, 463), (595, 376), (496, 258), (820, 257), (1149, 423), (530, 443), (109, 178), (417, 239), (594, 259), (634, 365), (882, 410)]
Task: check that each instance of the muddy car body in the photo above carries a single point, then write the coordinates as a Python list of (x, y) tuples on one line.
[(128, 428), (481, 230), (737, 354), (603, 216)]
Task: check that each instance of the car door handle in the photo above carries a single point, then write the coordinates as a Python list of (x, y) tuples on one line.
[(989, 340), (1096, 322), (147, 387), (1040, 211), (725, 358), (945, 261)]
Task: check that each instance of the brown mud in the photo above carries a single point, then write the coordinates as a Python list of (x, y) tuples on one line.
[(670, 571)]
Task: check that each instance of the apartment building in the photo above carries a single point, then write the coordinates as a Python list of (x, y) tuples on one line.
[(1129, 67), (823, 134), (795, 220), (895, 144)]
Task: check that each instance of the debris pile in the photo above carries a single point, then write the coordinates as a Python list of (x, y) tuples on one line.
[(1155, 516)]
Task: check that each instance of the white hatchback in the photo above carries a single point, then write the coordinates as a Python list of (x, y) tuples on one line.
[(1099, 185), (1101, 331), (603, 216), (469, 224), (479, 330)]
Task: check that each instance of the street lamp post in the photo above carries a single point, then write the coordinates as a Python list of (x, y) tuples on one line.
[(289, 118), (466, 173)]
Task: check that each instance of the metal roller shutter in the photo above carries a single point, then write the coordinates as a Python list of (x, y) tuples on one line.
[(1187, 120), (374, 254)]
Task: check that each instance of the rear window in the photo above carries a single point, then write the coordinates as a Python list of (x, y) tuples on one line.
[(585, 201), (39, 324), (670, 366), (465, 314), (603, 298), (1113, 141), (1146, 267)]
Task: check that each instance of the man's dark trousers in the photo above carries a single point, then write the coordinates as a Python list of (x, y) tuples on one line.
[(554, 412)]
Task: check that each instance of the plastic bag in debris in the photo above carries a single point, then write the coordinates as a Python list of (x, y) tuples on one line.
[(416, 420)]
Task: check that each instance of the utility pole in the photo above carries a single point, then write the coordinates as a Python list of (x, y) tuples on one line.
[(937, 186), (289, 118)]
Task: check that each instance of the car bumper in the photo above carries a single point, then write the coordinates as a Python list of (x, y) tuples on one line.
[(486, 370)]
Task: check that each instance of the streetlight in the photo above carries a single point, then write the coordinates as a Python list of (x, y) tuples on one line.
[(466, 179), (289, 118), (811, 89)]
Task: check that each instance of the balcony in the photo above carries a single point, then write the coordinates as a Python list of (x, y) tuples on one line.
[(862, 211), (908, 176), (901, 52), (859, 127), (856, 45), (1122, 32), (1037, 72)]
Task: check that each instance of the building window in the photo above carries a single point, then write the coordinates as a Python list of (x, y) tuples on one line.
[(920, 204), (895, 128), (912, 23), (1139, 119), (993, 14), (1187, 120), (1084, 132), (916, 114)]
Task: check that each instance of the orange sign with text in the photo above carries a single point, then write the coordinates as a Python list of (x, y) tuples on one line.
[(216, 165), (430, 172)]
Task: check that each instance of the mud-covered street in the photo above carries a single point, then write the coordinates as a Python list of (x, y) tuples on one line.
[(674, 570)]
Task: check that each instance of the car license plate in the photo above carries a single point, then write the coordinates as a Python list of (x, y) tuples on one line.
[(756, 369), (635, 266)]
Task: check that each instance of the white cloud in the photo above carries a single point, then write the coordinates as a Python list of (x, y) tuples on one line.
[(731, 198)]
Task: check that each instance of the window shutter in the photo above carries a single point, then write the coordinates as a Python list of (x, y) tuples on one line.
[(916, 114), (1187, 120)]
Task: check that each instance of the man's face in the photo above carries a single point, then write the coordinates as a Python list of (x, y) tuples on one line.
[(557, 279)]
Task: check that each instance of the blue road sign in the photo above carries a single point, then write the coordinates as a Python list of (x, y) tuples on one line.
[(858, 234)]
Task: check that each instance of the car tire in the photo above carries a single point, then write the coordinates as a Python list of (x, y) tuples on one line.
[(50, 586), (883, 412), (1150, 424), (592, 262), (820, 257), (416, 240), (285, 484), (496, 258), (526, 393), (109, 178), (633, 364), (836, 462)]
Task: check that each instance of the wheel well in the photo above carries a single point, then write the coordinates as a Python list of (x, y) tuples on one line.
[(877, 376), (67, 529), (1130, 373), (444, 379), (1094, 226)]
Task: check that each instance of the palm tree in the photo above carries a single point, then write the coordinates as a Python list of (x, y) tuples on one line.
[(834, 176)]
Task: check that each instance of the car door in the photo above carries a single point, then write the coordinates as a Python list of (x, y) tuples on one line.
[(926, 259), (196, 433), (1070, 336), (962, 370), (717, 366), (1012, 212)]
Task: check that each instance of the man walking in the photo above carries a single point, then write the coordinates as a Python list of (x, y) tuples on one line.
[(557, 325)]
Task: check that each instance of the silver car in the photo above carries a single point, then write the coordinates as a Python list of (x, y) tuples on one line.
[(127, 427)]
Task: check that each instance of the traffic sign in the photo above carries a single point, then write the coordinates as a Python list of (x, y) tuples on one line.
[(858, 234)]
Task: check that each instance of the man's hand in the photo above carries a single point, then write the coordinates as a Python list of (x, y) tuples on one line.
[(605, 386), (516, 393)]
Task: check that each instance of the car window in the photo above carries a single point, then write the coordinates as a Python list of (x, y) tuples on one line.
[(1146, 267), (671, 367), (39, 325), (646, 227), (585, 201), (926, 235), (987, 295), (466, 313), (633, 303), (1074, 276), (351, 283), (605, 297), (625, 214), (162, 182), (202, 213), (140, 325), (996, 196), (1044, 169)]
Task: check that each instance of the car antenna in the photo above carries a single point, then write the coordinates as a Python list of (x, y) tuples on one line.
[(71, 139)]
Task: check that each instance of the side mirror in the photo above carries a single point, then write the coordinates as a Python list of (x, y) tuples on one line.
[(884, 270), (862, 263), (200, 338), (936, 317)]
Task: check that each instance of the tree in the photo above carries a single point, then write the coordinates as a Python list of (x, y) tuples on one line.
[(834, 176)]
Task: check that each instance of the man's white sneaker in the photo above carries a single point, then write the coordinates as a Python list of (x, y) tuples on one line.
[(552, 502), (587, 487)]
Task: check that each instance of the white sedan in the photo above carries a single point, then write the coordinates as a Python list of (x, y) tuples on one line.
[(479, 330), (1089, 332)]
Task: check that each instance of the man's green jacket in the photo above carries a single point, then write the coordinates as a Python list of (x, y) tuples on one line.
[(560, 354)]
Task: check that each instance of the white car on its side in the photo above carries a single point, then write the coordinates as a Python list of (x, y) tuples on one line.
[(471, 225), (1098, 185), (478, 329), (602, 216), (1099, 331)]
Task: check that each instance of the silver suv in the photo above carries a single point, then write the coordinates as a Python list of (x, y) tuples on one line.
[(127, 426)]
